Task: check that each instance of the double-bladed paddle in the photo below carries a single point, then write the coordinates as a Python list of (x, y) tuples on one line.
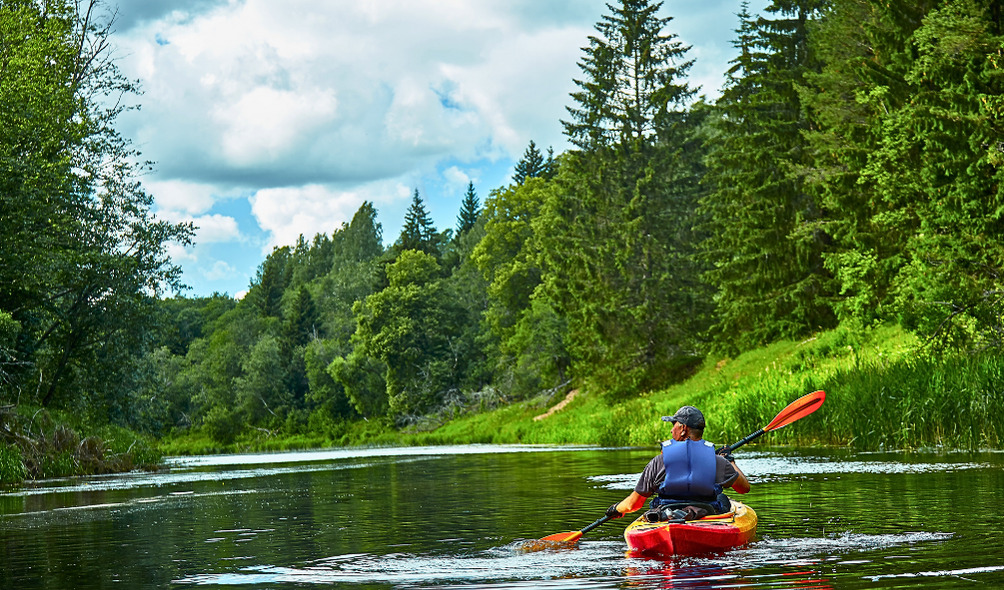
[(796, 410)]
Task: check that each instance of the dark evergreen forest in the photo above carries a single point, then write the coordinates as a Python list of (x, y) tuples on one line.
[(849, 174)]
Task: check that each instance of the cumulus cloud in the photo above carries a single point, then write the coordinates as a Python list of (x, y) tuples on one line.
[(456, 177), (356, 92), (133, 13), (179, 199), (219, 270), (265, 124), (287, 213), (180, 254), (216, 228)]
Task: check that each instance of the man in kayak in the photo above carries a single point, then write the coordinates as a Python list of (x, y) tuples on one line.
[(687, 470)]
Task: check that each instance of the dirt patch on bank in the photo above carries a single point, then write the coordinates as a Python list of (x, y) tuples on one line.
[(558, 406)]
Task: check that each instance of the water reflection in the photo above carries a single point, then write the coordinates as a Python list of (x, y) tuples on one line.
[(438, 517), (708, 575)]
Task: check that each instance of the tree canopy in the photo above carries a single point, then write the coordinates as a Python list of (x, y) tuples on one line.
[(83, 258), (850, 172)]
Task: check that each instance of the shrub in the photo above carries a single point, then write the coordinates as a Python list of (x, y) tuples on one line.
[(12, 469)]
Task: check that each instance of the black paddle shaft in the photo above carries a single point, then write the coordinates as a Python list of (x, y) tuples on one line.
[(590, 527), (736, 445)]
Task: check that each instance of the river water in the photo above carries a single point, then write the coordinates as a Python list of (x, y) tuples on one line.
[(445, 517)]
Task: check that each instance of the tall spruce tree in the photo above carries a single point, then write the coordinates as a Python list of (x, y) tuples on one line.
[(931, 223), (616, 231), (531, 165), (763, 242), (470, 210), (632, 70), (418, 232)]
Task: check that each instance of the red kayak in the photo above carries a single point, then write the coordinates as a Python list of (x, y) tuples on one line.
[(715, 532)]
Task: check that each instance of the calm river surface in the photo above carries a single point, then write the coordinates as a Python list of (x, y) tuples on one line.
[(447, 517)]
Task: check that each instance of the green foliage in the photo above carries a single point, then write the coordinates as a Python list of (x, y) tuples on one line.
[(35, 443), (905, 152), (363, 378), (9, 330), (260, 392), (12, 469), (763, 240), (223, 424), (616, 241), (850, 171), (411, 326), (326, 395), (616, 233), (82, 252), (950, 286), (271, 281), (632, 79)]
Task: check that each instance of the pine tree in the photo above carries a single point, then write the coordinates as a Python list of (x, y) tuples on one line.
[(763, 243), (631, 70), (301, 323), (530, 165), (418, 232), (470, 209), (361, 239), (550, 166), (616, 233), (865, 49), (270, 282)]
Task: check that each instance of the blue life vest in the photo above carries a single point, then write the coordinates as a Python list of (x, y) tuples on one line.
[(690, 471)]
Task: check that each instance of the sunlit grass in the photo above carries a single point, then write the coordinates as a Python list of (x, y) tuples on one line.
[(883, 391)]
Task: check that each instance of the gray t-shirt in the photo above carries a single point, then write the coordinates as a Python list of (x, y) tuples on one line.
[(655, 474)]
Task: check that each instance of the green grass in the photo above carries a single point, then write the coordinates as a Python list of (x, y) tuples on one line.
[(41, 443), (884, 391)]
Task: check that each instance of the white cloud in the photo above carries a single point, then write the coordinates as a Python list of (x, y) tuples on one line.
[(219, 270), (279, 94), (456, 177), (286, 213), (264, 123), (179, 253), (179, 198), (216, 228)]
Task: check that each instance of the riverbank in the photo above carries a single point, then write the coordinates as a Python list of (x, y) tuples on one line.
[(37, 444), (884, 391)]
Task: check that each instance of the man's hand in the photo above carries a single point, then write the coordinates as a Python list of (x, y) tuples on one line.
[(612, 512), (727, 453)]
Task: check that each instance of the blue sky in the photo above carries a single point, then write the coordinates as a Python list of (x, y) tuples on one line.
[(267, 120)]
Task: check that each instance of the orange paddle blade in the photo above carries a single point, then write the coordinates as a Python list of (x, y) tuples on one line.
[(797, 410), (569, 537)]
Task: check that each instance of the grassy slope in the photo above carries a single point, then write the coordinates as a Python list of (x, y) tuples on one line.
[(738, 396), (882, 392)]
